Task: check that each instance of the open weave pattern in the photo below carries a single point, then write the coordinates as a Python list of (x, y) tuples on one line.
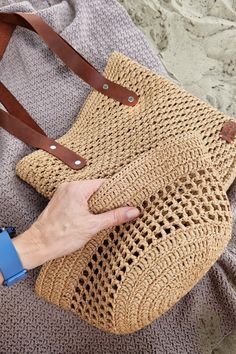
[(109, 135), (203, 317), (129, 275)]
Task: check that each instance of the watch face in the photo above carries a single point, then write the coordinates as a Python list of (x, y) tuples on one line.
[(10, 230)]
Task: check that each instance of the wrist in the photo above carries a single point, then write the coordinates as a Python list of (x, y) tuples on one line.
[(30, 248), (11, 267)]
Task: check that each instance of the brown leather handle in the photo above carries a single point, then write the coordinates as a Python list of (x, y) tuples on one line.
[(6, 32), (79, 65), (16, 109), (23, 127)]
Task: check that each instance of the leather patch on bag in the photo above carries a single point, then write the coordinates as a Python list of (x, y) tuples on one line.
[(228, 131)]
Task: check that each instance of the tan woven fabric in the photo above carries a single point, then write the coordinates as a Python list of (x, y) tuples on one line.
[(109, 135), (127, 276)]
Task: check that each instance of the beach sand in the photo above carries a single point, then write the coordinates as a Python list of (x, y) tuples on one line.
[(196, 41)]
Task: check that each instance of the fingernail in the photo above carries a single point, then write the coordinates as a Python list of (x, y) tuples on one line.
[(132, 213)]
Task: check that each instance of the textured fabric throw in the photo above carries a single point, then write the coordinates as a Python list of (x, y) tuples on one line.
[(54, 96)]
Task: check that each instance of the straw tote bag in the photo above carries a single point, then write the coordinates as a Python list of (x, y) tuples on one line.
[(161, 150)]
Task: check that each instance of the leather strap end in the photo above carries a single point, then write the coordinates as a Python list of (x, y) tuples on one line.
[(119, 93), (32, 137), (228, 131), (69, 157)]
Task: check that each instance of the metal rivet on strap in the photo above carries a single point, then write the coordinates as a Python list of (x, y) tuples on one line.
[(53, 147), (77, 162), (105, 87), (131, 99)]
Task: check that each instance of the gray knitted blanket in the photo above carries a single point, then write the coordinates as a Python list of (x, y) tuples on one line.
[(53, 96)]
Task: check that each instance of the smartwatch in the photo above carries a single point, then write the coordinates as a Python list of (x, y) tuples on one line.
[(10, 264)]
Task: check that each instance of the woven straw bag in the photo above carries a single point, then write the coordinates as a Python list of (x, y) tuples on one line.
[(163, 151), (110, 135), (129, 275)]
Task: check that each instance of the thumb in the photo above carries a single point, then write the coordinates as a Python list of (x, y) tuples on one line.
[(116, 217)]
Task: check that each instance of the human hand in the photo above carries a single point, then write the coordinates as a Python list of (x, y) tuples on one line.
[(66, 224)]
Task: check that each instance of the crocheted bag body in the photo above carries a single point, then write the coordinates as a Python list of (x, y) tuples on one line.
[(110, 135), (127, 276)]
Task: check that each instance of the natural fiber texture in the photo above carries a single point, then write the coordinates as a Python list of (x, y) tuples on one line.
[(109, 135), (54, 97), (127, 276)]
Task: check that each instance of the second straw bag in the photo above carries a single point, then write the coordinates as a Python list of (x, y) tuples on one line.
[(129, 275), (162, 150)]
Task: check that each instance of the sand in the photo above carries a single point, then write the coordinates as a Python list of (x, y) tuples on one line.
[(196, 40)]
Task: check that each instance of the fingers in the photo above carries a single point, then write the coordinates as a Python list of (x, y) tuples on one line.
[(115, 217), (90, 187), (82, 189)]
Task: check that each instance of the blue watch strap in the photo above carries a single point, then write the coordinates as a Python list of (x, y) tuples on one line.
[(10, 230), (10, 263)]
